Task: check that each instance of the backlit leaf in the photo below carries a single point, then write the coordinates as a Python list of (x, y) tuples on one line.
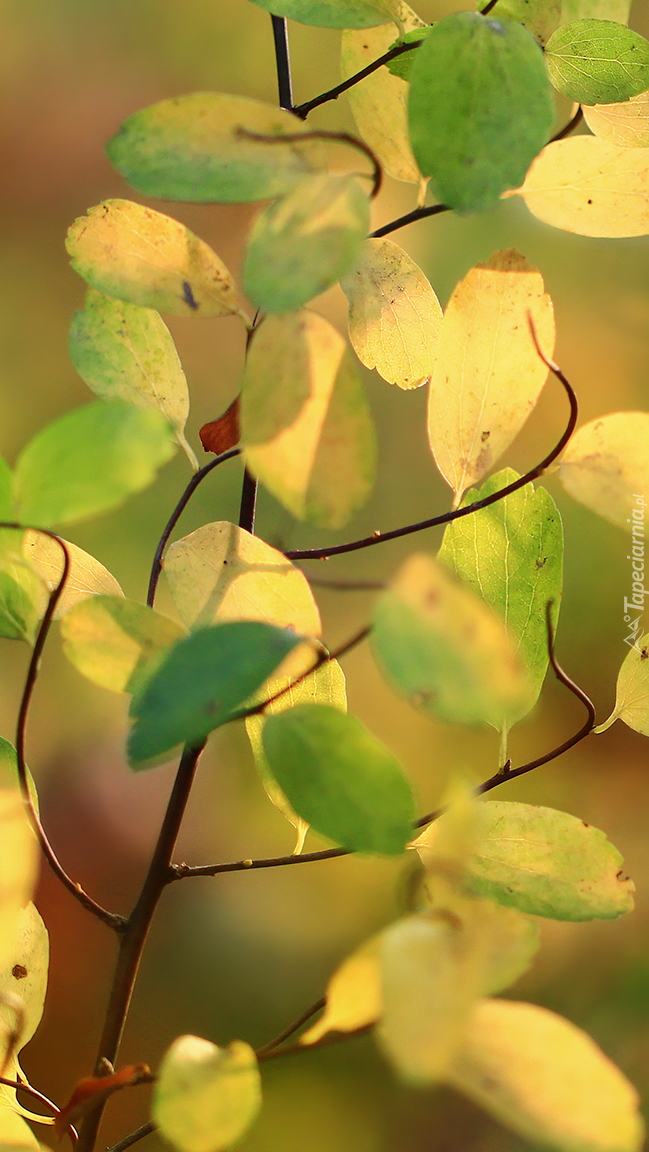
[(305, 422), (201, 681), (546, 1080), (402, 65), (333, 13), (543, 862), (23, 978), (124, 352), (632, 695), (445, 649), (18, 867), (488, 374), (480, 108), (598, 61), (6, 500), (596, 10), (190, 148), (115, 642), (302, 244), (394, 314), (379, 102), (354, 997), (591, 187), (539, 16), (606, 466), (21, 600), (511, 553), (126, 250), (15, 1133), (206, 1097), (86, 576), (89, 460), (339, 778), (625, 124)]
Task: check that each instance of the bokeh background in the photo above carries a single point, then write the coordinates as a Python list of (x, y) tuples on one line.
[(241, 955)]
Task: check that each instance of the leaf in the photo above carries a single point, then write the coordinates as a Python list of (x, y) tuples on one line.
[(115, 642), (340, 779), (206, 1097), (9, 772), (124, 352), (590, 187), (596, 9), (625, 125), (15, 1133), (324, 686), (143, 257), (302, 244), (480, 108), (605, 465), (221, 572), (353, 994), (394, 314), (543, 862), (632, 695), (379, 102), (91, 1091), (6, 500), (305, 423), (540, 17), (511, 553), (445, 649), (89, 460), (21, 600), (597, 61), (333, 13), (18, 867), (86, 576), (546, 1080), (200, 683), (190, 148), (224, 433), (23, 981), (488, 374), (402, 65)]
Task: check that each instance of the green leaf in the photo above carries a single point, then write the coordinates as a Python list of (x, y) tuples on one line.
[(206, 1097), (201, 682), (124, 352), (543, 862), (444, 648), (480, 108), (546, 1080), (305, 422), (338, 778), (89, 461), (22, 600), (632, 695), (302, 244), (598, 61), (333, 13), (190, 148), (115, 642), (126, 250), (511, 553), (86, 576), (401, 66)]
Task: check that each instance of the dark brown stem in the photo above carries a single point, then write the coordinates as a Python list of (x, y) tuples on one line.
[(282, 61), (487, 8), (134, 938), (248, 502), (570, 126), (133, 1137), (469, 509), (321, 134), (324, 1042), (302, 110), (292, 1028), (409, 218)]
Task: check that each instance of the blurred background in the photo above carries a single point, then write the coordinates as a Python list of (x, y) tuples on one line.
[(241, 955)]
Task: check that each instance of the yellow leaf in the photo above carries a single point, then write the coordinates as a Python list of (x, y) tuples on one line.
[(625, 124), (606, 465), (305, 422), (589, 186), (126, 250), (86, 576), (23, 983), (353, 994), (632, 695), (488, 374), (18, 867), (546, 1080), (617, 10), (394, 314), (379, 102), (15, 1133)]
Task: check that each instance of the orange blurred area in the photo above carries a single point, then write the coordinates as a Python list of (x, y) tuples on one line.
[(241, 955)]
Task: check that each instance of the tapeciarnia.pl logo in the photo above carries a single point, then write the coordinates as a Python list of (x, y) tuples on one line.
[(633, 617)]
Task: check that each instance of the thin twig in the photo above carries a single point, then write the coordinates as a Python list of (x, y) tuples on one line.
[(133, 1137), (487, 8), (322, 134), (346, 585), (569, 127), (458, 513), (292, 1028), (324, 1042), (196, 479), (282, 61), (302, 110), (409, 218), (21, 1086)]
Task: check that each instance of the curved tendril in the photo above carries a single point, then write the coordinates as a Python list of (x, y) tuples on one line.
[(322, 134)]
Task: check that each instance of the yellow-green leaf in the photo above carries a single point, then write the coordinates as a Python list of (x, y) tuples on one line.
[(590, 186), (394, 314), (625, 124), (333, 13), (606, 465), (86, 576), (192, 148), (305, 422), (126, 250), (379, 102), (445, 649), (632, 695), (124, 352), (597, 61), (353, 994), (546, 1080), (22, 599), (115, 642), (488, 374), (23, 980), (18, 867), (206, 1097), (596, 10), (541, 17)]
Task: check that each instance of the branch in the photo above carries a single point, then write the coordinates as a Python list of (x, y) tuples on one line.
[(261, 1053), (409, 218), (133, 1137), (196, 479), (569, 127), (302, 110), (323, 1042), (322, 134), (282, 61), (458, 513)]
